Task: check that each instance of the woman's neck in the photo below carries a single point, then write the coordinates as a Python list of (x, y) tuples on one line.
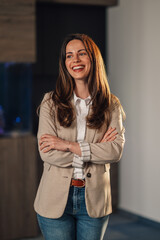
[(81, 90)]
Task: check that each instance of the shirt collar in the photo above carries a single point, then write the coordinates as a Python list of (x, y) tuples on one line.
[(78, 99)]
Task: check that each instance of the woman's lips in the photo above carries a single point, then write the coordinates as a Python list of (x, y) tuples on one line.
[(78, 68)]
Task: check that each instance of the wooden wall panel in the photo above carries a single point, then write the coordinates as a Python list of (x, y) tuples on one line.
[(18, 186), (84, 2), (17, 31)]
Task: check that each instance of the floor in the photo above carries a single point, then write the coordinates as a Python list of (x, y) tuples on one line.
[(126, 227), (123, 227)]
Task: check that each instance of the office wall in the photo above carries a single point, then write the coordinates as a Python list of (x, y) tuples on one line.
[(134, 76)]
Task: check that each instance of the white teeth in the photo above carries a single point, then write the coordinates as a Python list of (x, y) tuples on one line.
[(78, 67)]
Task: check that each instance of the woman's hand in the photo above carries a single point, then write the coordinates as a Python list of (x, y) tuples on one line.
[(110, 135), (48, 142)]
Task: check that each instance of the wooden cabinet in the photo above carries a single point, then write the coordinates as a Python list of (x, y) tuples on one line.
[(18, 185)]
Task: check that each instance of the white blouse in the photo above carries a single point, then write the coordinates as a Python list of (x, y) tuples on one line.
[(82, 108)]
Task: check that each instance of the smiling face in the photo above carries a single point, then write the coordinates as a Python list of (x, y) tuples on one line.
[(77, 60)]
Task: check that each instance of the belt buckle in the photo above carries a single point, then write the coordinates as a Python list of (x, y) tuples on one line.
[(83, 183)]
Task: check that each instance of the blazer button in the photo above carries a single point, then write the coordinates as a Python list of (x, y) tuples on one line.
[(88, 175)]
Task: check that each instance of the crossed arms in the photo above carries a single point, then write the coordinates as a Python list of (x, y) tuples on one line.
[(60, 152)]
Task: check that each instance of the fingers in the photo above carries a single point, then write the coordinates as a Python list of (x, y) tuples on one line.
[(43, 141), (110, 135), (47, 138), (49, 142), (46, 143), (113, 134), (47, 149), (110, 139), (109, 131), (47, 146)]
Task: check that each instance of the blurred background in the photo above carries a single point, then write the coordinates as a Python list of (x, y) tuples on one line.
[(127, 33)]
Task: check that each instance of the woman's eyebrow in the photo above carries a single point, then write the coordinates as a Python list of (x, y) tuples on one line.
[(78, 51), (68, 52), (82, 50)]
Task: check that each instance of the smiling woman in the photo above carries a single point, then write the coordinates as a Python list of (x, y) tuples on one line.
[(80, 133), (77, 61)]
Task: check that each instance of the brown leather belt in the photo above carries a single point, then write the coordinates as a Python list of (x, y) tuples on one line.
[(78, 182)]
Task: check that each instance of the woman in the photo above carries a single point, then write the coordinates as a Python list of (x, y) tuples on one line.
[(80, 133)]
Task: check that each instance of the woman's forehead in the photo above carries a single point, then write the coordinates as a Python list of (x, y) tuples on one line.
[(75, 45)]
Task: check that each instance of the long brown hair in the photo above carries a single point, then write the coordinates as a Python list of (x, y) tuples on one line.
[(98, 86)]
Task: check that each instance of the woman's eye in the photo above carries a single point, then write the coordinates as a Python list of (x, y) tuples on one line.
[(82, 54), (68, 56)]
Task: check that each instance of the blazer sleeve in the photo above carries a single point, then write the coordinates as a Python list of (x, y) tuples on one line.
[(109, 152), (47, 126)]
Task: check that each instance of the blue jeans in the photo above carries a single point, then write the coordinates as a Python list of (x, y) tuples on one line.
[(75, 223)]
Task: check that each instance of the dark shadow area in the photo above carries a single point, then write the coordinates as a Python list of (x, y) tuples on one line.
[(15, 95)]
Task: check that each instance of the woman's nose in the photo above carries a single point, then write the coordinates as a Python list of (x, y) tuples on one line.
[(76, 58)]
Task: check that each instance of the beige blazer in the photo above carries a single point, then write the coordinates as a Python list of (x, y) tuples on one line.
[(54, 186)]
